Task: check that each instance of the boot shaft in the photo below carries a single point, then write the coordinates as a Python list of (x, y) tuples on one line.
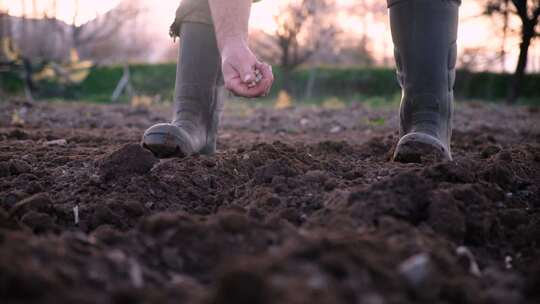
[(424, 34), (198, 103)]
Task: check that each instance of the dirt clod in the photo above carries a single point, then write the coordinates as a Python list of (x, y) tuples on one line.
[(19, 167), (37, 202), (128, 160), (39, 222), (490, 151)]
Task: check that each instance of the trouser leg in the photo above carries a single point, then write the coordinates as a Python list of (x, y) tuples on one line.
[(191, 11), (424, 34)]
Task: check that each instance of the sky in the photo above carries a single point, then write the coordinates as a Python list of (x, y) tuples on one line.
[(473, 32)]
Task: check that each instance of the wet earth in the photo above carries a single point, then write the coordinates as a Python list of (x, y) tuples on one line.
[(298, 206)]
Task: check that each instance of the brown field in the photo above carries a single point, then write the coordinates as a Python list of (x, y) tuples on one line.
[(298, 206)]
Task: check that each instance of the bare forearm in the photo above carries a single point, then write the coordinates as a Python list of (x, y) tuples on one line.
[(231, 19), (243, 73)]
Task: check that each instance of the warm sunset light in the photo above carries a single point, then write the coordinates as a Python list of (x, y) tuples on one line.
[(475, 32), (63, 9), (333, 152)]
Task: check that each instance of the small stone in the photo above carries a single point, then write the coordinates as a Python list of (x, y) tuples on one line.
[(335, 129), (416, 269), (419, 273), (76, 218), (136, 273), (508, 262), (57, 142)]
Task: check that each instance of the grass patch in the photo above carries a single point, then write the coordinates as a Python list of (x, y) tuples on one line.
[(373, 86)]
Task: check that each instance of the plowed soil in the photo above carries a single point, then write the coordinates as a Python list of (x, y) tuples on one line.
[(298, 206)]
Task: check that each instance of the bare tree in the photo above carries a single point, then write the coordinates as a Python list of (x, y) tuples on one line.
[(304, 27), (528, 12), (102, 27), (40, 37), (49, 48), (5, 35), (11, 59), (366, 9)]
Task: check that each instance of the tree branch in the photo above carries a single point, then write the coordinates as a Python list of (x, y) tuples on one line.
[(521, 7)]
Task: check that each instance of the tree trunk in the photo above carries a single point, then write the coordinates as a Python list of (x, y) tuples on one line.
[(29, 86), (517, 79), (286, 78), (311, 83)]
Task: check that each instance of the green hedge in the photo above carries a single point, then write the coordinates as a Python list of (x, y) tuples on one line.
[(159, 79), (10, 83), (146, 80), (346, 82)]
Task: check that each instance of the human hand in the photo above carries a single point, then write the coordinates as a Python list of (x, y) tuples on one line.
[(244, 75)]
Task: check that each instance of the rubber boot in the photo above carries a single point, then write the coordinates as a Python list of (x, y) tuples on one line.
[(198, 98), (424, 34)]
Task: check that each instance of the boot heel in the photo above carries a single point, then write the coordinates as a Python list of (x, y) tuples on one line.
[(420, 148), (209, 149), (158, 145), (165, 140)]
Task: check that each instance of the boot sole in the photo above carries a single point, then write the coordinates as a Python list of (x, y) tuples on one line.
[(162, 141), (158, 145), (421, 148)]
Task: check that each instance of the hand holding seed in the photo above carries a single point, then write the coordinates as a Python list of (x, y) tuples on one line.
[(257, 80), (243, 74)]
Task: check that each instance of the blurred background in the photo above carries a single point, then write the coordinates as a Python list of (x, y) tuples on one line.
[(323, 51)]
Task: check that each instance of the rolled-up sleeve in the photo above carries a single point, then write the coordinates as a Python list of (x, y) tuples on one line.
[(197, 11)]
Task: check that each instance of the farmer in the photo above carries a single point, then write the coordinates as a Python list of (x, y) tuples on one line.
[(214, 51)]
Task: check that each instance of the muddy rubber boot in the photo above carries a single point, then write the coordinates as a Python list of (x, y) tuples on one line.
[(198, 101), (424, 34)]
